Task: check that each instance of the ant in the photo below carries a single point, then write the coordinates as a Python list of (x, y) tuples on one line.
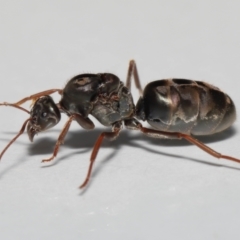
[(175, 108)]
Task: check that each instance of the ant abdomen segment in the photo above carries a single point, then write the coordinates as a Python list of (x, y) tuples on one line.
[(175, 108), (186, 106)]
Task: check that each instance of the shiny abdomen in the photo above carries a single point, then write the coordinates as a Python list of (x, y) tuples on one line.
[(186, 106)]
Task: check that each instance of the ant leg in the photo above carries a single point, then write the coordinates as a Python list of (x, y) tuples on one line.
[(60, 139), (135, 125), (108, 135), (207, 149), (15, 138), (32, 97), (132, 71)]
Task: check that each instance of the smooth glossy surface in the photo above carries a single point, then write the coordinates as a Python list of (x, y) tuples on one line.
[(187, 106)]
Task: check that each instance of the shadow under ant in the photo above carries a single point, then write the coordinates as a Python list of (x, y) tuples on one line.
[(86, 139)]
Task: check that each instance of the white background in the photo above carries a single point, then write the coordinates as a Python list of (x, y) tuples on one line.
[(141, 188)]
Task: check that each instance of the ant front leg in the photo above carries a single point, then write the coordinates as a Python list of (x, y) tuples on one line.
[(60, 139), (132, 71), (116, 128), (15, 138), (85, 123), (133, 124)]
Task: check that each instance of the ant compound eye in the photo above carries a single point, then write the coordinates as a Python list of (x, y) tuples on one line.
[(44, 114)]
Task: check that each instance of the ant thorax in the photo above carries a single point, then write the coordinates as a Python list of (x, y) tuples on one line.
[(114, 107), (175, 108), (102, 95)]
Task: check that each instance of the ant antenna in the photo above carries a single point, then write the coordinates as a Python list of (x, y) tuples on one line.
[(14, 105)]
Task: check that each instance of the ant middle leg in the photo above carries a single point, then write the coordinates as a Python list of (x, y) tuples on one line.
[(108, 135)]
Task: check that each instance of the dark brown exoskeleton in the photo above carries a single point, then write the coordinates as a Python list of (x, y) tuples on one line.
[(175, 108)]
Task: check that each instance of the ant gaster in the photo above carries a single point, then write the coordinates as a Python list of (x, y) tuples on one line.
[(175, 108)]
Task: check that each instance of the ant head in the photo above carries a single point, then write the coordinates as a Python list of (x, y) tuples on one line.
[(44, 115)]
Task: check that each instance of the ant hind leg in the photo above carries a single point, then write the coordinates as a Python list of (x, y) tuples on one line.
[(133, 124)]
